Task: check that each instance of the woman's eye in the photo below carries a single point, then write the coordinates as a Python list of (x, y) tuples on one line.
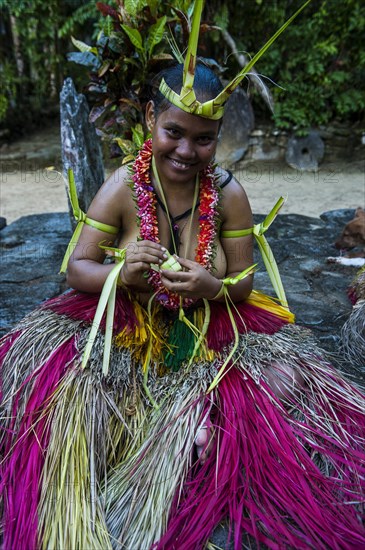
[(173, 132), (205, 140)]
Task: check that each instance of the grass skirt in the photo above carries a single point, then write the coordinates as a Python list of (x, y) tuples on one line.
[(93, 461), (352, 341)]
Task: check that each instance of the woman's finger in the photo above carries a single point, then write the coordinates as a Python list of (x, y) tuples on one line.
[(175, 275), (145, 254), (148, 244), (147, 247), (145, 258), (178, 287), (188, 264)]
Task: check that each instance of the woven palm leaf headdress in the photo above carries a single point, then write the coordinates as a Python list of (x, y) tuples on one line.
[(214, 108)]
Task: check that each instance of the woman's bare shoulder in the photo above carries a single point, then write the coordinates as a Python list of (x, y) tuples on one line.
[(117, 183), (232, 189), (236, 208), (114, 198)]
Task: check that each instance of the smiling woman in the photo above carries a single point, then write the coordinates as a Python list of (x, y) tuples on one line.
[(182, 147), (194, 398), (182, 143)]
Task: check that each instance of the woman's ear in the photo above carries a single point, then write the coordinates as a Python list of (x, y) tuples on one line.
[(150, 116)]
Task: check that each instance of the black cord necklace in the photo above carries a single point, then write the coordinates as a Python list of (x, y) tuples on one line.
[(176, 234)]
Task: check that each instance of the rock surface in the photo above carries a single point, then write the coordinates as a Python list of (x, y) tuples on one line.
[(316, 290), (81, 149), (237, 124), (32, 249)]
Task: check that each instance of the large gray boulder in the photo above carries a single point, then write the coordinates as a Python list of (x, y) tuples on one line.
[(316, 290), (238, 121), (81, 150)]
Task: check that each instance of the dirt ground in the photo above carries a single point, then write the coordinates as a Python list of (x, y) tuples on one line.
[(27, 187)]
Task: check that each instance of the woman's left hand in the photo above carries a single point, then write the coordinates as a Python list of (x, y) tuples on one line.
[(194, 282)]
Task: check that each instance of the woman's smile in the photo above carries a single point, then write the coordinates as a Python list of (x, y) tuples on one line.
[(183, 144), (180, 165)]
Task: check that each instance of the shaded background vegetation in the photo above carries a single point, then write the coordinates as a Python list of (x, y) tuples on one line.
[(319, 61), (318, 65)]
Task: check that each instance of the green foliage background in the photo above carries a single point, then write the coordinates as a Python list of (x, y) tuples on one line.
[(34, 39), (319, 61), (318, 64)]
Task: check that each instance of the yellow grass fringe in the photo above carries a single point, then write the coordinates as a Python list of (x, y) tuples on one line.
[(138, 341), (89, 430), (270, 304)]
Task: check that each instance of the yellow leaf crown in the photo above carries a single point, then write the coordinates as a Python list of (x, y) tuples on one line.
[(214, 108)]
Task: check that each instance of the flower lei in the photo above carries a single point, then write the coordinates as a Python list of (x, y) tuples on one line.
[(147, 215)]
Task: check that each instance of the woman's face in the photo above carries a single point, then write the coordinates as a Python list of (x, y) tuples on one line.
[(182, 144)]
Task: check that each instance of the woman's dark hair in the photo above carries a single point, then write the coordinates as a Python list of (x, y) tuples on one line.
[(206, 85)]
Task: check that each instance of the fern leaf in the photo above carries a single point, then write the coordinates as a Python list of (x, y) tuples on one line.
[(126, 145), (132, 7), (128, 158)]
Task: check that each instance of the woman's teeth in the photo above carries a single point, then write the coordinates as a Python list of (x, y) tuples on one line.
[(179, 164)]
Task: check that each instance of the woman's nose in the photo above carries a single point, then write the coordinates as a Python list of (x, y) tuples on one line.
[(185, 149)]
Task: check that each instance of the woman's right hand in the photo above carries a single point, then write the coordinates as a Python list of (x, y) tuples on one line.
[(138, 259)]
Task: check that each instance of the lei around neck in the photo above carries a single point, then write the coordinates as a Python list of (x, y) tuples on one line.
[(147, 218)]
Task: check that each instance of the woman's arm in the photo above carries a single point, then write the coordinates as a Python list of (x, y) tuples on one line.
[(237, 215), (113, 205)]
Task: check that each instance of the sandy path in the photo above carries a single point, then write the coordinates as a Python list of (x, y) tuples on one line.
[(26, 187), (308, 193)]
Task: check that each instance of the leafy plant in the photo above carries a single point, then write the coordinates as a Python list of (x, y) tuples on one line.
[(131, 46), (319, 64), (32, 56), (8, 92), (79, 18)]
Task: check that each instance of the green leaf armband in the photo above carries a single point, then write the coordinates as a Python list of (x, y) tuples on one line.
[(81, 218), (220, 292), (258, 231), (234, 233)]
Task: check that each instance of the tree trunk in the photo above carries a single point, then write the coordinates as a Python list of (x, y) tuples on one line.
[(19, 60)]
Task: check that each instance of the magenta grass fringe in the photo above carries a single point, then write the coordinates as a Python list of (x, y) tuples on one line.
[(24, 456), (82, 307), (248, 318), (351, 293), (263, 479)]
